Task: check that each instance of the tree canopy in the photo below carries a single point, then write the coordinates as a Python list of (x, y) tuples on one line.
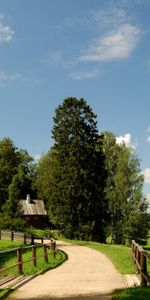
[(76, 180)]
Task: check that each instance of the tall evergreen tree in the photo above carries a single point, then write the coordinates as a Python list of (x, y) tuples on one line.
[(76, 203)]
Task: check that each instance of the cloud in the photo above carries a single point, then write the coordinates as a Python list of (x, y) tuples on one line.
[(4, 77), (146, 174), (111, 17), (127, 139), (148, 138), (117, 44), (37, 157), (79, 75), (6, 32)]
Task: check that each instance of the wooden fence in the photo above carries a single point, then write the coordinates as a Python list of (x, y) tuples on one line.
[(35, 242), (140, 257), (19, 237)]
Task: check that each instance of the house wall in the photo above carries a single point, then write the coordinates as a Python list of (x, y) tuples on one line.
[(36, 221)]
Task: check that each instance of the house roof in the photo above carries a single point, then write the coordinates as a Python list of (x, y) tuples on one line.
[(35, 207)]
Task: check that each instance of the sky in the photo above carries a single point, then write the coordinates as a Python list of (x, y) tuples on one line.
[(93, 49)]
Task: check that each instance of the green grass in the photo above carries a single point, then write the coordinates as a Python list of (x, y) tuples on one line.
[(4, 293), (9, 259), (4, 245), (138, 293)]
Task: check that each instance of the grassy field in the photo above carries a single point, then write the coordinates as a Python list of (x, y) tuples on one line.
[(4, 245), (9, 259), (138, 293)]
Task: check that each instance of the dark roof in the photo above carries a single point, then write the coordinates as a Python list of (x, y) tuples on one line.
[(35, 207)]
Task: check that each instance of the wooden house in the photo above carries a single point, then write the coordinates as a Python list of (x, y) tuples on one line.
[(34, 212)]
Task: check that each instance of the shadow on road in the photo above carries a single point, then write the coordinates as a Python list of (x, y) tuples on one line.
[(104, 296)]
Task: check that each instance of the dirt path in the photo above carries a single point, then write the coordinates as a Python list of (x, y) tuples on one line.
[(87, 275)]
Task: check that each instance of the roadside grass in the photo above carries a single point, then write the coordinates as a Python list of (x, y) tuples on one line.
[(4, 293), (9, 259), (119, 255), (136, 293), (5, 245)]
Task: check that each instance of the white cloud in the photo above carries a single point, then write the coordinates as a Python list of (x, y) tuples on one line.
[(117, 44), (6, 32), (37, 157), (127, 139), (148, 139), (85, 74), (4, 77), (146, 174), (15, 76), (111, 17)]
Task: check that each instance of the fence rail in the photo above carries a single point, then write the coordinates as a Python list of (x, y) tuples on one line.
[(140, 257), (19, 236), (35, 243)]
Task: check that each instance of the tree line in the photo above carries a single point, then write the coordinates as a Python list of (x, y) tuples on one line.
[(91, 186)]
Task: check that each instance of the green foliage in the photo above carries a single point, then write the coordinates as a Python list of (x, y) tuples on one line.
[(71, 176), (15, 168), (127, 206), (8, 165), (11, 211)]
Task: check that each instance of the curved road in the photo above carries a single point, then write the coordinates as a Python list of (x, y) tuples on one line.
[(86, 275)]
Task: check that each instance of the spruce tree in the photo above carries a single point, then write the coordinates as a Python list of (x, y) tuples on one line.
[(76, 203)]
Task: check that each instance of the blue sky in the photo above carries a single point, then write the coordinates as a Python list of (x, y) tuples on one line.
[(95, 49)]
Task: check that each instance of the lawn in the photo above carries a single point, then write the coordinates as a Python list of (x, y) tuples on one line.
[(9, 259), (4, 245), (137, 293)]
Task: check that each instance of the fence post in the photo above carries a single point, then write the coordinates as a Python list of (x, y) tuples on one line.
[(24, 238), (19, 259), (53, 247), (41, 240), (12, 236), (143, 269), (45, 253), (34, 255), (32, 239)]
